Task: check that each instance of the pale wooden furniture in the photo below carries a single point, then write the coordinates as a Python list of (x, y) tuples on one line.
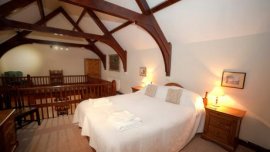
[(7, 131), (92, 68), (222, 125), (136, 88)]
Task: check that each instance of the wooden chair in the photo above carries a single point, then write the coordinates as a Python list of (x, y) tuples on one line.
[(22, 113), (56, 77)]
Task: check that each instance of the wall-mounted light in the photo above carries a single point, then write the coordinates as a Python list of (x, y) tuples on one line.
[(147, 76)]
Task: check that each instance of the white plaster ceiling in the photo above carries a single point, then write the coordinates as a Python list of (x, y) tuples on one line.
[(88, 25), (132, 5), (30, 14)]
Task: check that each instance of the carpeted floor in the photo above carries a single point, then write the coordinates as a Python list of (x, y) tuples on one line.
[(60, 135)]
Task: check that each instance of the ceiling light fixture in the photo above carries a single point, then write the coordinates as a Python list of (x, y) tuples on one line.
[(56, 47)]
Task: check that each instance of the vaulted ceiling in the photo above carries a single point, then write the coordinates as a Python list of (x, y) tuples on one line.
[(34, 27)]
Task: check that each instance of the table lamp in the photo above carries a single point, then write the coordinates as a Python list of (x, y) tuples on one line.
[(218, 92)]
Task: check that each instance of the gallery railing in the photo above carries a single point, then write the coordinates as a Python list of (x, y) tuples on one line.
[(45, 80), (53, 101)]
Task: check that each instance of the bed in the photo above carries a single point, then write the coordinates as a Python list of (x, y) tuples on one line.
[(158, 125)]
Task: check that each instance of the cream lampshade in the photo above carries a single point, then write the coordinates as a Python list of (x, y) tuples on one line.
[(146, 81), (217, 92)]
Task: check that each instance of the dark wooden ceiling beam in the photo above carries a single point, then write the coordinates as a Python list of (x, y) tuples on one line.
[(127, 23), (16, 40), (159, 37), (153, 10), (118, 49), (98, 22), (9, 44), (163, 5), (20, 39), (41, 21), (49, 16), (50, 42), (12, 5), (34, 27), (76, 26), (147, 22), (107, 8), (144, 7), (80, 18), (41, 9), (91, 45)]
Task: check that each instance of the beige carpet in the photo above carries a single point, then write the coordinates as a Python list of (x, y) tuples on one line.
[(60, 135)]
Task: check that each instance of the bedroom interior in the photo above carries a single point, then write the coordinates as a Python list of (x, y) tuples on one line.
[(193, 43)]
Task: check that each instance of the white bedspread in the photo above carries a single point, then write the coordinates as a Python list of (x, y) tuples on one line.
[(165, 127), (124, 120)]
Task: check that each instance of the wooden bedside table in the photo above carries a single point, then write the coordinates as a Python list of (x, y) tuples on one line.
[(222, 125), (136, 88)]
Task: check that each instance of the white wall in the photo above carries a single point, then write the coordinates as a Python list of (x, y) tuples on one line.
[(207, 38), (36, 59)]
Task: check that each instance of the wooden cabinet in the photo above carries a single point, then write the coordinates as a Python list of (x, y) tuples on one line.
[(92, 68), (56, 77), (136, 88), (222, 125), (7, 131)]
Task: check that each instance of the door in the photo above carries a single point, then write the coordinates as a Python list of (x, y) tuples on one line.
[(92, 68)]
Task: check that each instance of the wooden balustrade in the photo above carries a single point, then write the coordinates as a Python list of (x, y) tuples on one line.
[(44, 80), (54, 100)]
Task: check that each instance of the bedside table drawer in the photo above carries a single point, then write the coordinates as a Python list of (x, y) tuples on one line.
[(220, 122), (218, 134)]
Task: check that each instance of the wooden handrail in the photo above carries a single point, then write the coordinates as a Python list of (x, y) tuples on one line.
[(48, 99), (28, 80)]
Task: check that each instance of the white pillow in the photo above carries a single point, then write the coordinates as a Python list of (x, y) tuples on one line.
[(174, 95), (162, 91), (151, 90), (190, 98)]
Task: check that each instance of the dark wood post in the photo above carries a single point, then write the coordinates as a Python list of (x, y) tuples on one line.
[(113, 87)]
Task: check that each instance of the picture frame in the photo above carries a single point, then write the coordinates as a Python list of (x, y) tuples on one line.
[(143, 71), (114, 64), (233, 79)]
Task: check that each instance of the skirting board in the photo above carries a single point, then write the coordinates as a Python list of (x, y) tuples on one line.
[(253, 146)]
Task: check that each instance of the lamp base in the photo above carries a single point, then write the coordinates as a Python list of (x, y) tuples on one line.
[(215, 106)]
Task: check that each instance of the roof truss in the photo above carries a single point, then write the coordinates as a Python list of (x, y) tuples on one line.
[(146, 20)]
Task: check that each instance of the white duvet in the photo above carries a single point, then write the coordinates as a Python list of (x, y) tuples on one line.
[(165, 127)]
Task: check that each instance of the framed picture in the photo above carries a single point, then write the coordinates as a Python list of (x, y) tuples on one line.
[(114, 62), (143, 71), (233, 79)]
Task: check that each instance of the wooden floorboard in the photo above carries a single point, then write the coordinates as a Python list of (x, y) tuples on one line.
[(60, 135)]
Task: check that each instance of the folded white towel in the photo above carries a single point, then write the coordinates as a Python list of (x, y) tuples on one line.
[(101, 102), (124, 120)]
